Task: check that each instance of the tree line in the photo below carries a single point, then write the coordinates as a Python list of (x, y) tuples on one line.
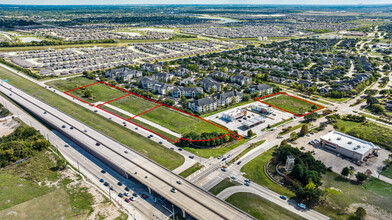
[(22, 143), (204, 136)]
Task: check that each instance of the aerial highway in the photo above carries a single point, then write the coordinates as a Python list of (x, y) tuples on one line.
[(187, 196)]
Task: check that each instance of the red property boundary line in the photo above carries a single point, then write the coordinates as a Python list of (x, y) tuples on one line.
[(230, 133), (283, 93)]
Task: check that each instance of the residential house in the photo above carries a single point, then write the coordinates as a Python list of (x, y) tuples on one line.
[(220, 76), (306, 83), (209, 84), (164, 77), (261, 89), (123, 72), (227, 97), (188, 92), (203, 105), (181, 72), (156, 86), (150, 67), (240, 79)]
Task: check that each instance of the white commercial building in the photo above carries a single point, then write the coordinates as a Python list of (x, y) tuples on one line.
[(347, 145), (232, 115)]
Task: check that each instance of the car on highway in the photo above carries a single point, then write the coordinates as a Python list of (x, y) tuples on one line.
[(120, 195), (103, 171), (119, 183), (172, 148), (132, 198), (98, 144), (223, 169), (246, 183), (85, 131), (95, 110), (135, 194), (101, 180), (224, 159), (126, 188), (126, 151), (66, 145), (63, 126), (283, 197), (191, 156), (160, 142), (173, 190), (179, 182), (279, 137), (136, 128), (44, 112), (233, 177), (111, 188), (180, 149), (239, 162), (71, 128), (144, 196), (126, 194), (219, 157), (301, 205), (127, 200), (106, 184), (125, 125)]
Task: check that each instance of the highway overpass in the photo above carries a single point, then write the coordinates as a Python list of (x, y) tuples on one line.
[(190, 198)]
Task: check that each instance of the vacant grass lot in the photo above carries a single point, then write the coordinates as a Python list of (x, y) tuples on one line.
[(225, 183), (259, 207), (387, 172), (148, 148), (289, 103), (22, 197), (179, 122), (134, 104), (254, 170), (100, 91), (341, 194), (369, 131), (190, 170)]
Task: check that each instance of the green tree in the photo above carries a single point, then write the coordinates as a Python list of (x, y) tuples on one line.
[(293, 135), (250, 133), (345, 171), (361, 177), (360, 213), (88, 93), (304, 130)]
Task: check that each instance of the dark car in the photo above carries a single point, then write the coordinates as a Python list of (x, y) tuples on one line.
[(103, 171), (120, 195), (101, 180), (127, 200), (126, 188), (119, 183), (135, 194), (144, 196), (98, 144), (63, 126), (191, 157), (106, 184), (239, 162)]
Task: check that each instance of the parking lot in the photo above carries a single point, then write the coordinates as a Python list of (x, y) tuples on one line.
[(331, 159), (237, 124)]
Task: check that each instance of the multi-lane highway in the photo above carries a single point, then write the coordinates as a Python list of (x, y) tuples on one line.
[(193, 200)]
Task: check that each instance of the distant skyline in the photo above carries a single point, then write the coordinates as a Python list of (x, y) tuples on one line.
[(161, 2)]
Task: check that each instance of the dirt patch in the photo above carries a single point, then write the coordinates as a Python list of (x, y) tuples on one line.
[(372, 212), (7, 127), (103, 208)]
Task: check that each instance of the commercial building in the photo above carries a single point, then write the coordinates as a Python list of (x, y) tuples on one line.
[(232, 115), (262, 108), (253, 122), (348, 146)]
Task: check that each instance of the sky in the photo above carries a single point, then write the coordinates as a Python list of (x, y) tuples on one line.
[(111, 2)]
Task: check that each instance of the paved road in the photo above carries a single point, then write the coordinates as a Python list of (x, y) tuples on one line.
[(273, 197), (192, 199)]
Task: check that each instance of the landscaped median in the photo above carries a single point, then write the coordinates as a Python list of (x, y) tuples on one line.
[(148, 148)]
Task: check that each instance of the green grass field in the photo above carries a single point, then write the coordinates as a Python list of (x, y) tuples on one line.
[(148, 148), (343, 194), (289, 103), (387, 172), (100, 92), (226, 183), (259, 207), (190, 170), (179, 122), (254, 170), (22, 197), (134, 104), (369, 131)]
